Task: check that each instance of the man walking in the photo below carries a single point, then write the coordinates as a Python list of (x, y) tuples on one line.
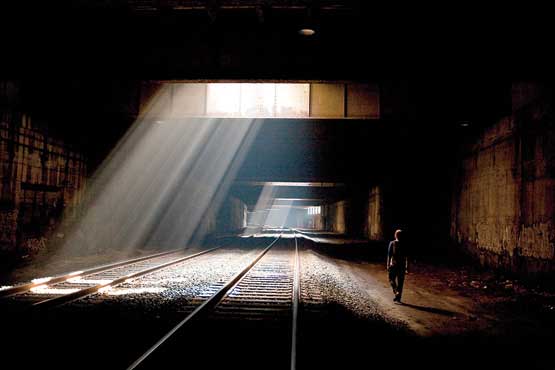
[(397, 265)]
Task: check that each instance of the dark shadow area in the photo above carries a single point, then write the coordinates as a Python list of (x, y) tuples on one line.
[(331, 338), (344, 341), (360, 252)]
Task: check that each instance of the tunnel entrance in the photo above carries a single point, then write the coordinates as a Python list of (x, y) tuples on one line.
[(295, 205)]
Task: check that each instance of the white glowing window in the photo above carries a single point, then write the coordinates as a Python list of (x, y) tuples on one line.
[(314, 210), (264, 100), (258, 100), (292, 100), (223, 100)]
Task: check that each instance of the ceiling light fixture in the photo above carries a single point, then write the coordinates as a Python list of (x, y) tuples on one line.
[(307, 26), (464, 123), (306, 32)]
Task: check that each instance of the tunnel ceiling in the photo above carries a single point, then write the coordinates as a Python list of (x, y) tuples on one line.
[(175, 39), (82, 64)]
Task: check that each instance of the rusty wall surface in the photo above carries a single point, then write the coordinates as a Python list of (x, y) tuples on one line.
[(503, 206), (318, 222), (336, 217), (41, 178), (375, 220)]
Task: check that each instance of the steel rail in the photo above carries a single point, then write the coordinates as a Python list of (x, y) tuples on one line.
[(296, 299), (61, 278), (56, 301), (209, 303)]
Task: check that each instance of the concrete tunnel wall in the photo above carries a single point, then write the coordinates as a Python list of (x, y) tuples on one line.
[(361, 215), (335, 216), (503, 202), (502, 207)]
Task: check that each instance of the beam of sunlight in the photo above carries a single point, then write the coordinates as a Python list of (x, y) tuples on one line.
[(260, 213), (128, 291), (45, 289), (80, 280), (105, 289), (277, 216), (267, 214), (158, 183), (42, 280), (73, 276)]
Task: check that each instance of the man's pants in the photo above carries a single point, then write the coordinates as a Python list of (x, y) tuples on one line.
[(396, 279)]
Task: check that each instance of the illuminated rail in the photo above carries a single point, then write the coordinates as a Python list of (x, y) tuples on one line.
[(139, 267), (99, 287), (215, 301), (296, 299), (35, 283)]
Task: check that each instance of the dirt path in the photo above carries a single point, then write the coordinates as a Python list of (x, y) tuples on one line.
[(428, 307), (435, 303)]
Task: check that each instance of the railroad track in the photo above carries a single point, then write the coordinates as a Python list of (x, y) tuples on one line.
[(266, 292), (61, 289)]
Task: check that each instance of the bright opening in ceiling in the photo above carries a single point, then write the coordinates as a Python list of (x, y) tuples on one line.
[(251, 100), (293, 100)]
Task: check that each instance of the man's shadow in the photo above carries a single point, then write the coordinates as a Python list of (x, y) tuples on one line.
[(438, 311)]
